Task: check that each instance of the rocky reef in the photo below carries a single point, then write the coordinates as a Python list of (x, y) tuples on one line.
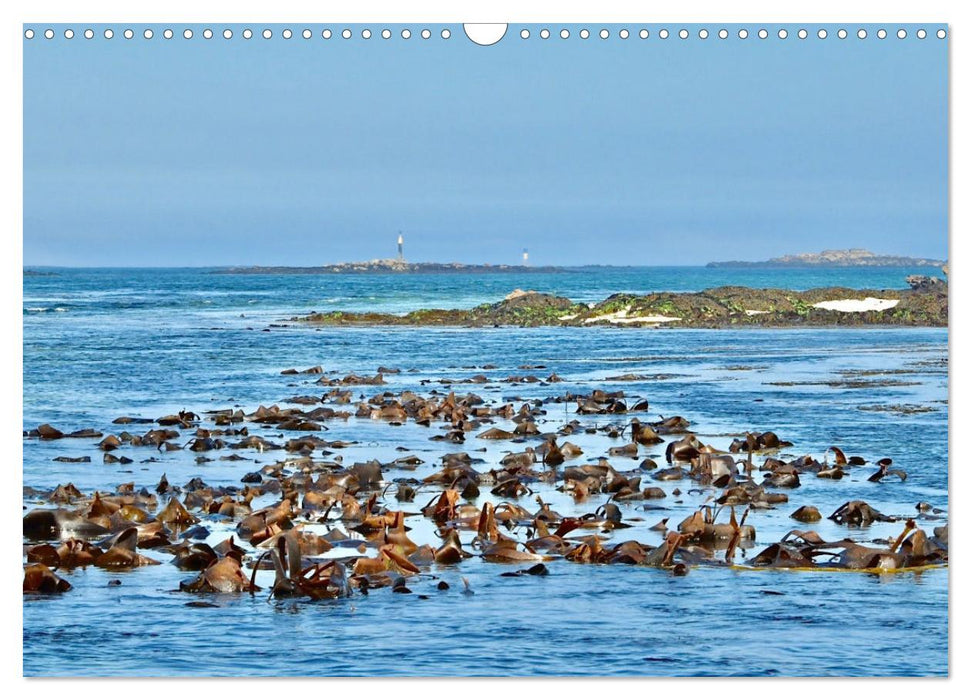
[(924, 283), (925, 304)]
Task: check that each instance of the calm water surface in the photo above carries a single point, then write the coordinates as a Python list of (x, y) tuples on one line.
[(103, 343)]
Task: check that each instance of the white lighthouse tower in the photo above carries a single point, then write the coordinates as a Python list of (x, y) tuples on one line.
[(401, 247), (525, 257)]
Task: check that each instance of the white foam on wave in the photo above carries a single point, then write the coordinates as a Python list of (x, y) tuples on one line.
[(44, 309)]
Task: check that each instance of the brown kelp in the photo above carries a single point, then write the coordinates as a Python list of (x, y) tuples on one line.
[(328, 528)]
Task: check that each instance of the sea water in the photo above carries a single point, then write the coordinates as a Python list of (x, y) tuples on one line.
[(101, 343)]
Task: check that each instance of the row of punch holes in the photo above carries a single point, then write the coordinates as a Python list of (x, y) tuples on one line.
[(446, 33)]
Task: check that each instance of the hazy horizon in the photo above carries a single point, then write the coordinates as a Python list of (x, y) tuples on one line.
[(27, 266), (219, 153)]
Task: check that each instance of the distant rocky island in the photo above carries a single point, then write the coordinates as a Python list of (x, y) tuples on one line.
[(383, 266), (852, 257)]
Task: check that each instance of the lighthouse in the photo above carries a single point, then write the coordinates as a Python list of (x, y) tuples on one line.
[(401, 247), (525, 256)]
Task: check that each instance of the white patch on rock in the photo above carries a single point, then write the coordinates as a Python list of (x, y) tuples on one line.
[(858, 305), (623, 316)]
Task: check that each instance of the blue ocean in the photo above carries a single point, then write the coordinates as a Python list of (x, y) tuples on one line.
[(104, 343)]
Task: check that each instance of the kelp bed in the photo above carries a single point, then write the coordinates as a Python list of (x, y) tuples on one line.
[(327, 529)]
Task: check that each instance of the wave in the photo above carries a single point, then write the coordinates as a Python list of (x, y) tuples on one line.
[(44, 309)]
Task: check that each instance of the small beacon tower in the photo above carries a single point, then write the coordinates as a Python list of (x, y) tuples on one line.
[(401, 247), (525, 256)]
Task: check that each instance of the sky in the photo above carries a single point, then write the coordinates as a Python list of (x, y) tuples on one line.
[(627, 152)]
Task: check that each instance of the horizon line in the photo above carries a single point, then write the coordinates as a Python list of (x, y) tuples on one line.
[(566, 266), (227, 266)]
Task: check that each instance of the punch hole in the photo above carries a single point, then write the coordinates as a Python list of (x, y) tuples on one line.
[(446, 33), (841, 33), (663, 34), (604, 34), (267, 34), (564, 33), (763, 34), (68, 33), (882, 34), (385, 33), (29, 34), (365, 33), (802, 34), (489, 34), (405, 33), (227, 33), (743, 33), (148, 34), (861, 33), (89, 34), (168, 34), (821, 34), (703, 34), (941, 34), (544, 34), (901, 33), (426, 34), (306, 34), (783, 34), (683, 34), (129, 34), (207, 34), (624, 33), (247, 33), (109, 33), (584, 33), (722, 33), (524, 34), (327, 34), (921, 33), (287, 33)]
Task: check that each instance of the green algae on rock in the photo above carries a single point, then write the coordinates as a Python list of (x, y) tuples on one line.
[(711, 308)]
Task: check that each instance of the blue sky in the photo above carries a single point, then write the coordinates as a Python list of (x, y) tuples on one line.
[(642, 152)]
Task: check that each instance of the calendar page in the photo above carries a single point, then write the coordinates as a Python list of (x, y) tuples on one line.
[(431, 349)]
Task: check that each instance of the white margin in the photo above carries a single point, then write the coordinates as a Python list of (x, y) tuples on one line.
[(891, 12)]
